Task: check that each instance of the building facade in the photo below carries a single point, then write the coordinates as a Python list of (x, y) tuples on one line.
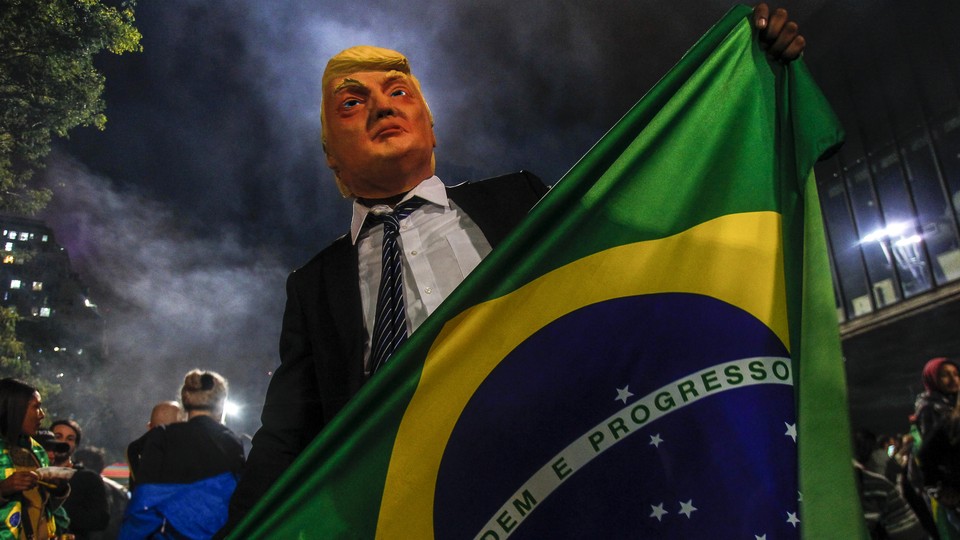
[(58, 322), (891, 195)]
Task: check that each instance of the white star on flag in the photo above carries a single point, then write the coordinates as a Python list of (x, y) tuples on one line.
[(657, 511), (792, 519), (655, 440), (791, 431), (760, 536), (623, 394), (687, 508)]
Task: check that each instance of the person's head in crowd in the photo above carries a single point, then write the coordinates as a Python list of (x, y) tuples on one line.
[(58, 452), (376, 128), (92, 458), (67, 431), (21, 410), (864, 443), (166, 412), (906, 441), (204, 393), (941, 375)]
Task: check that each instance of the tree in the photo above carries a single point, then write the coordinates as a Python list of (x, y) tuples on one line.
[(13, 360), (48, 83)]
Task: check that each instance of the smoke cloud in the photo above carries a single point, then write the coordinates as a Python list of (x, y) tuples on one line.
[(171, 299)]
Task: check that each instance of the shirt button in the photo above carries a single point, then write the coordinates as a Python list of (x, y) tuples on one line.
[(414, 252), (428, 290)]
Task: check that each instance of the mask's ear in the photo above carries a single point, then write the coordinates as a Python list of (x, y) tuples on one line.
[(332, 163)]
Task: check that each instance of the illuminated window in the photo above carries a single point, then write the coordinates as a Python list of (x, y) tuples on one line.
[(38, 285), (43, 238), (8, 259), (24, 236), (34, 311), (44, 312), (31, 236), (14, 283), (12, 235), (8, 246)]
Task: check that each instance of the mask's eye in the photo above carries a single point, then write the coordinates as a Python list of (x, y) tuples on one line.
[(350, 103), (398, 92)]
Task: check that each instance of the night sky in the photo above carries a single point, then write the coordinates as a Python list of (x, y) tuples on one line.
[(209, 185)]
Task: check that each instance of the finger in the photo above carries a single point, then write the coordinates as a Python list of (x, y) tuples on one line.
[(774, 27), (786, 37), (761, 15), (794, 50)]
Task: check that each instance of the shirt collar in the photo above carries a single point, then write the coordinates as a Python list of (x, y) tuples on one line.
[(431, 190)]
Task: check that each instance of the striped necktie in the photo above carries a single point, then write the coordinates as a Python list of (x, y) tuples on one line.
[(390, 325)]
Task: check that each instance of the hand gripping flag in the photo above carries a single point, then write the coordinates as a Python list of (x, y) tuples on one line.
[(653, 353)]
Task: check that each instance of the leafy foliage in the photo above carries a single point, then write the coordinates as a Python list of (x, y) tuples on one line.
[(48, 83), (13, 357)]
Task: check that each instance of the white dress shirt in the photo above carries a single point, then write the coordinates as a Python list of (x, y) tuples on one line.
[(441, 245)]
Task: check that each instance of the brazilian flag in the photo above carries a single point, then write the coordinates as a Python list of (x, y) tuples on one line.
[(653, 353)]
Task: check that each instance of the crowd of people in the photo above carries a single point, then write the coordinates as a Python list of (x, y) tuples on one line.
[(910, 482), (185, 467), (183, 470)]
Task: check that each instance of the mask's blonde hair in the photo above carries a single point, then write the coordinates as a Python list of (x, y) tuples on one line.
[(354, 60)]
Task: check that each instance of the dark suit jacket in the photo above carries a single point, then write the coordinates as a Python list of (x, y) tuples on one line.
[(321, 341)]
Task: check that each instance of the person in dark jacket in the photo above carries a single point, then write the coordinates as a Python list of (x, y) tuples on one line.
[(188, 470), (93, 458), (87, 505), (163, 413), (941, 382), (355, 301), (935, 469)]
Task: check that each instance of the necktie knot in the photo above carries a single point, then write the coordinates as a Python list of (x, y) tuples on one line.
[(391, 217)]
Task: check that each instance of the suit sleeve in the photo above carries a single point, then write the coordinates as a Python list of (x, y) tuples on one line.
[(292, 411)]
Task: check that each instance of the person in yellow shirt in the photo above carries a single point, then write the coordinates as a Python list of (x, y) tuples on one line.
[(27, 502)]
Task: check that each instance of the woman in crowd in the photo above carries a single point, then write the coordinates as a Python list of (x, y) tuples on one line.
[(935, 471), (27, 503), (188, 470), (941, 381)]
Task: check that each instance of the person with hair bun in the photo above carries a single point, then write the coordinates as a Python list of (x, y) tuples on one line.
[(188, 470)]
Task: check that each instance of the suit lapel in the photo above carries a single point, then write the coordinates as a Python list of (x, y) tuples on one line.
[(341, 276)]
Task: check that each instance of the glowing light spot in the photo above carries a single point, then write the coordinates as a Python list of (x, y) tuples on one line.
[(231, 409)]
